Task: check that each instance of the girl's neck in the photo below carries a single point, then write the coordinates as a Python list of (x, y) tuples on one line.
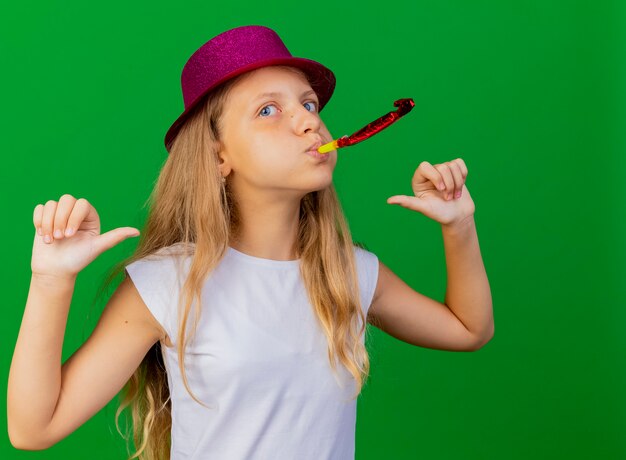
[(268, 230)]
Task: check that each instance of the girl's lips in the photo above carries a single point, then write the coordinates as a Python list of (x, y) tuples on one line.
[(319, 156), (315, 146), (312, 151)]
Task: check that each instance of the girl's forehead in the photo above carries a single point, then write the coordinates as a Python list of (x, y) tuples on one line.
[(270, 80)]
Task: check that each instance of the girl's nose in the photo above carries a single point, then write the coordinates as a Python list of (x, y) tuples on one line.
[(305, 120)]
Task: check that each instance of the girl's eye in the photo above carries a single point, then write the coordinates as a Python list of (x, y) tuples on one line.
[(263, 111), (313, 103)]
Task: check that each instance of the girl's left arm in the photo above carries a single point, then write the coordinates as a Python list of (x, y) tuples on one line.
[(468, 294), (465, 321)]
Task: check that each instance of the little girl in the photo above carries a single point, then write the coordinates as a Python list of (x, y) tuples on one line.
[(238, 331)]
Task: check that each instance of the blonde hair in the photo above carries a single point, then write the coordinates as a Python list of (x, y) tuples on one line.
[(191, 208)]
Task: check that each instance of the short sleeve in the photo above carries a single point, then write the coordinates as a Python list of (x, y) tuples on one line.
[(367, 267), (159, 283)]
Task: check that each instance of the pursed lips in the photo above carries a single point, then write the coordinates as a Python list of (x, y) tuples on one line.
[(314, 146)]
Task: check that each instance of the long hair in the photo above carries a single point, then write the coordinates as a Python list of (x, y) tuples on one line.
[(191, 208)]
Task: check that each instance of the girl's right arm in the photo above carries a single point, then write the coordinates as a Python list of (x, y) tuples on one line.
[(46, 401)]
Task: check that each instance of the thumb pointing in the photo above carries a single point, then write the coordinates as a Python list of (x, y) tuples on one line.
[(409, 202), (116, 236)]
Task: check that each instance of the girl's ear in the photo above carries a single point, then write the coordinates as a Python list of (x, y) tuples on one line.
[(223, 160)]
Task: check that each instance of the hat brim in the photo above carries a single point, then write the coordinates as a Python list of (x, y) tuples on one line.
[(321, 78)]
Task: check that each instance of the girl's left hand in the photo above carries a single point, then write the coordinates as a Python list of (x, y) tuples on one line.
[(440, 193)]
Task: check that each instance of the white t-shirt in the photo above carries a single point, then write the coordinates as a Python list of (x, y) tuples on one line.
[(259, 360)]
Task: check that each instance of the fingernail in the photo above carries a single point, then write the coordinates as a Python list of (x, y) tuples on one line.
[(69, 231), (39, 231), (46, 238), (457, 195), (57, 233)]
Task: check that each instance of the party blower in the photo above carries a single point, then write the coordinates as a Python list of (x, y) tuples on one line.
[(376, 126)]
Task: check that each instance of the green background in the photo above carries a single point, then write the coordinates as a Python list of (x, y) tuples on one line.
[(531, 94)]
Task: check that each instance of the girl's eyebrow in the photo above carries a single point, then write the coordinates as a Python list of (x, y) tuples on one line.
[(278, 94)]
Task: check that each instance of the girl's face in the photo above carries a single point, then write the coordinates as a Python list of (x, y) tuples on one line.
[(265, 136)]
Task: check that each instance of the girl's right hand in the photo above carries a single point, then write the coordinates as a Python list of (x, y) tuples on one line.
[(65, 255)]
